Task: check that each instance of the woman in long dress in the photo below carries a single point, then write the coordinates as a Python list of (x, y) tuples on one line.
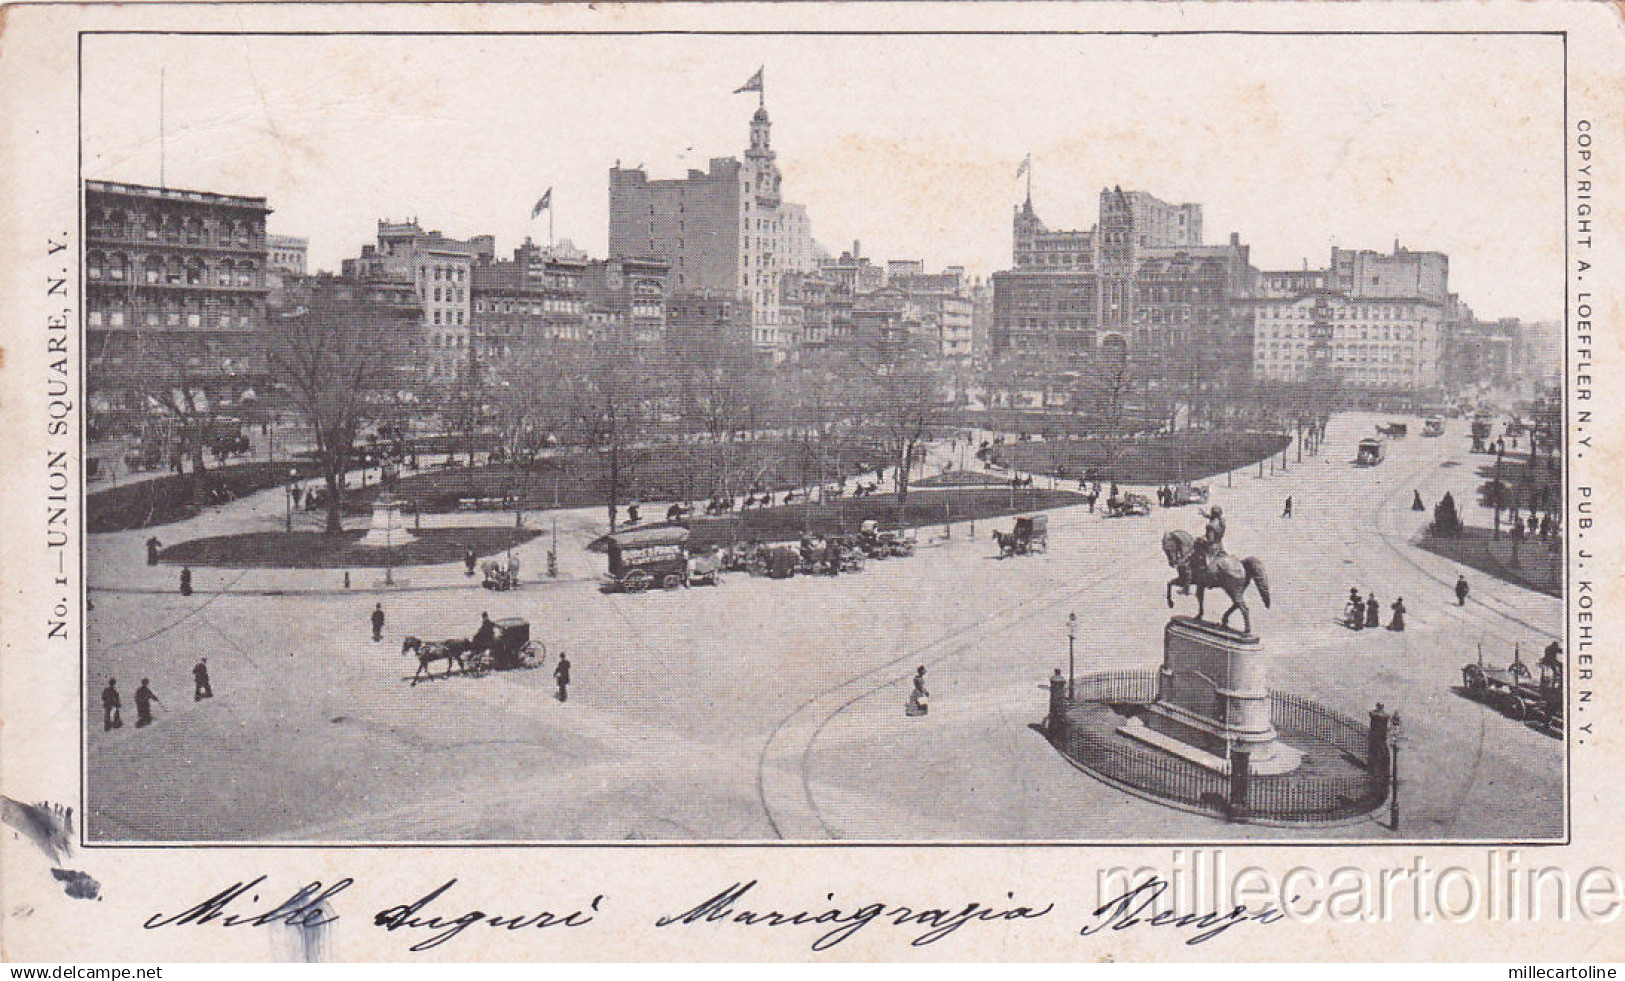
[(919, 700)]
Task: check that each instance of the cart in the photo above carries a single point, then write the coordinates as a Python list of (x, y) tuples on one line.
[(1433, 427), (1370, 453), (512, 648), (647, 557), (1394, 430), (500, 576), (1516, 693), (1186, 493), (1128, 506), (1029, 536)]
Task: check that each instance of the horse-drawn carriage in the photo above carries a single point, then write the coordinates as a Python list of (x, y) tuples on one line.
[(1515, 692), (501, 576), (511, 648), (1182, 494), (1393, 430), (1129, 505), (877, 544), (1029, 536), (644, 558)]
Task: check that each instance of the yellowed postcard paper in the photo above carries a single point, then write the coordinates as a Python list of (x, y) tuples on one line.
[(811, 482)]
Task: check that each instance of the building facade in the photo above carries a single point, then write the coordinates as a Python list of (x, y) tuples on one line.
[(440, 269), (723, 229), (175, 294)]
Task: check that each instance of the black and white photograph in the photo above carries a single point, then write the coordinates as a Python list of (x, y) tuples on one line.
[(725, 460)]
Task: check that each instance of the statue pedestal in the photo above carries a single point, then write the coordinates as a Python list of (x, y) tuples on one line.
[(1212, 696), (388, 529)]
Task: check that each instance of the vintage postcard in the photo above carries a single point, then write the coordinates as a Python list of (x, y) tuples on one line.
[(811, 482)]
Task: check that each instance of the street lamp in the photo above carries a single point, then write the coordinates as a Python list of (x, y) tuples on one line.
[(1071, 660), (287, 492)]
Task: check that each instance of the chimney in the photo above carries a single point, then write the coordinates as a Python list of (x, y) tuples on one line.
[(1235, 238)]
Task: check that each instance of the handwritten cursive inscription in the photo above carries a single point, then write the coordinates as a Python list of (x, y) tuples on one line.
[(409, 918), (723, 908), (1130, 909), (308, 907)]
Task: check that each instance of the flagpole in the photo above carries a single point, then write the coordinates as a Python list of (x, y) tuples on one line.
[(161, 182)]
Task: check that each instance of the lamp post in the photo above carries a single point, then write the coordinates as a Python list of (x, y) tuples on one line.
[(287, 493), (1071, 659)]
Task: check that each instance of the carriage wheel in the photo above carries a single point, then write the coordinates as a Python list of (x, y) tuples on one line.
[(478, 665), (1516, 709), (671, 581), (533, 653), (637, 582)]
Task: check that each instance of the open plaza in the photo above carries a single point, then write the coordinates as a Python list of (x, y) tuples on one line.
[(770, 709)]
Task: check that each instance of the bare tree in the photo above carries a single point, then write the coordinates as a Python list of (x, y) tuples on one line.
[(337, 347)]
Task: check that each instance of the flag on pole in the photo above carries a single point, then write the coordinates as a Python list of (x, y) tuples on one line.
[(754, 85), (1026, 164), (544, 204)]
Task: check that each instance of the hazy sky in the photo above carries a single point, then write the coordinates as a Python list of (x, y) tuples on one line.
[(909, 144)]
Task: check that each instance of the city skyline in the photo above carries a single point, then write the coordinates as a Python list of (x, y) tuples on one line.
[(339, 132)]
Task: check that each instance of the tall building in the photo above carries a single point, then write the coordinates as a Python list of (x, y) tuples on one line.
[(174, 302), (441, 270), (726, 228), (525, 305), (1138, 289), (1368, 321)]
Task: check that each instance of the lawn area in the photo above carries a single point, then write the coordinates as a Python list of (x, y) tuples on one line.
[(314, 550), (1144, 460), (1538, 567), (924, 509), (175, 497), (962, 478), (671, 472)]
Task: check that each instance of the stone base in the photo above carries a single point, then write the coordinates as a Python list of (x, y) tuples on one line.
[(1206, 748), (387, 530)]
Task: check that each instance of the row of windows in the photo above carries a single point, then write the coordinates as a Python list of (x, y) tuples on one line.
[(533, 308), (449, 319), (153, 318), (448, 294), (156, 270), (152, 226), (442, 274), (1343, 313)]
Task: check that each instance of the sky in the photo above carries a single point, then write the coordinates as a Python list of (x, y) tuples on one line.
[(908, 144)]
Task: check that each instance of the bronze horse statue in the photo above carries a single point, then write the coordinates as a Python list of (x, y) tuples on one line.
[(1223, 571)]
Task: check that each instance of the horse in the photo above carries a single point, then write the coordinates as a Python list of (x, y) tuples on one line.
[(428, 652), (1223, 571)]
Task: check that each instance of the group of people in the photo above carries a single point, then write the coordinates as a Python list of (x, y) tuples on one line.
[(145, 697), (1366, 614)]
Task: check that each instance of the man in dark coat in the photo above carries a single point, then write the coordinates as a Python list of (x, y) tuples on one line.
[(1461, 590), (561, 674), (110, 706), (144, 698), (200, 681), (485, 636), (1373, 612), (468, 562), (186, 580), (378, 622), (153, 545)]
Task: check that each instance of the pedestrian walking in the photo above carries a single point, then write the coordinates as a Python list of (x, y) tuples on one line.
[(561, 674), (1462, 590), (377, 622), (468, 562), (1397, 623), (144, 698), (919, 700), (1354, 612), (1416, 501), (1373, 612), (110, 706), (201, 688), (153, 546), (1286, 512), (186, 580)]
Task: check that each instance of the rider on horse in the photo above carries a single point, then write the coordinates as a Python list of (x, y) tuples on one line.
[(1211, 545)]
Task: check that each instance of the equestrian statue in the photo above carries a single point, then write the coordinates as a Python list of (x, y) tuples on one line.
[(1203, 563)]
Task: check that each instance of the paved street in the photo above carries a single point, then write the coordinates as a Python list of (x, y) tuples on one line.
[(763, 709)]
